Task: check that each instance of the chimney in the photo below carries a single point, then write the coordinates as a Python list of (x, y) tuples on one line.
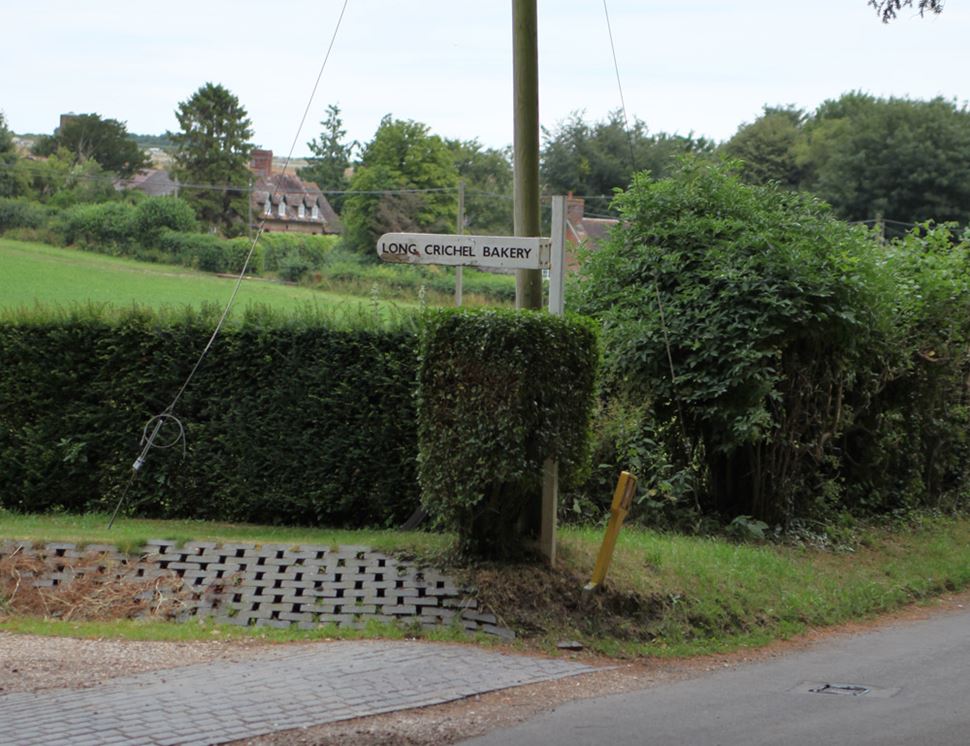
[(575, 207), (261, 162)]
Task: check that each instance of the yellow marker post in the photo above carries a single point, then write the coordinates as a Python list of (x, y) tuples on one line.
[(626, 488)]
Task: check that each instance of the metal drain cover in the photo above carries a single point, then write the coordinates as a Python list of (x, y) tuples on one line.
[(844, 690)]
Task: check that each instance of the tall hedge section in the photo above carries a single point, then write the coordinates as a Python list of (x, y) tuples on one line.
[(287, 421), (498, 393)]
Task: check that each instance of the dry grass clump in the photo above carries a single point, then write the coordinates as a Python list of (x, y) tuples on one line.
[(93, 587)]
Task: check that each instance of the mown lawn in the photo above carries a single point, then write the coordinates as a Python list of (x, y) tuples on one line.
[(32, 273)]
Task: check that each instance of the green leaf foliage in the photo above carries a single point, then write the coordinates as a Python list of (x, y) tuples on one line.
[(405, 181), (792, 363), (212, 155), (89, 137), (498, 393), (21, 213), (287, 421), (595, 159)]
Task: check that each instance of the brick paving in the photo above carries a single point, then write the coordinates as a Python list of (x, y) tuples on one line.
[(280, 689)]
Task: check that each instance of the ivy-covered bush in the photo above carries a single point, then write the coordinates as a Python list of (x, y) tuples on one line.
[(289, 420), (498, 393)]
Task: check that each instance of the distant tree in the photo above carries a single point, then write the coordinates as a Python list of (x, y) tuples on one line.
[(895, 158), (62, 181), (405, 181), (887, 9), (487, 173), (212, 156), (331, 158), (89, 137), (768, 147), (10, 184), (592, 159)]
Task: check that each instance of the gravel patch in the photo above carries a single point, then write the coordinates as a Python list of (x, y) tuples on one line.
[(30, 663)]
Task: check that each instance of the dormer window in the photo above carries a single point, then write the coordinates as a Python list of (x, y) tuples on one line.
[(301, 211), (281, 211), (268, 207), (315, 211)]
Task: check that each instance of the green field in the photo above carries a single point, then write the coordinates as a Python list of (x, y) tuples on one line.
[(32, 273)]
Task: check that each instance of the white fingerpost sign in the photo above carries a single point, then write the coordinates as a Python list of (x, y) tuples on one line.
[(511, 252)]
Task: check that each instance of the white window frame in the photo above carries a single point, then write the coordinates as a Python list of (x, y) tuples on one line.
[(301, 211), (281, 210), (315, 211)]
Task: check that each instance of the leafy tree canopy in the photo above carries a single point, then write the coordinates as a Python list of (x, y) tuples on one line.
[(9, 184), (895, 158), (767, 147), (594, 159), (61, 181), (89, 137), (487, 173), (405, 181), (331, 157), (869, 157), (212, 155), (6, 136)]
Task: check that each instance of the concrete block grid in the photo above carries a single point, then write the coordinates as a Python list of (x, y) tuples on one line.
[(276, 585)]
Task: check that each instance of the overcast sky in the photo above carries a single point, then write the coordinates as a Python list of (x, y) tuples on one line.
[(688, 66)]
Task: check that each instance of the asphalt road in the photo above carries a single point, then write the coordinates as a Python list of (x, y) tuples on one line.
[(916, 673)]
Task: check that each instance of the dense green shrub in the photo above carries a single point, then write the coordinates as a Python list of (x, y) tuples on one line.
[(107, 227), (287, 421), (207, 252), (312, 250), (909, 445), (21, 213), (294, 267), (498, 393), (768, 310), (155, 214), (791, 364)]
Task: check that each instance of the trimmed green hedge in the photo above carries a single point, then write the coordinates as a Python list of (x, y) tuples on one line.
[(498, 393), (288, 421)]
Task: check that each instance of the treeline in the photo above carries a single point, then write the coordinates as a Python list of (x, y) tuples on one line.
[(892, 161), (895, 160)]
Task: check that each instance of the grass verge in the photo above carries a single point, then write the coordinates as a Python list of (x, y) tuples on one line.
[(666, 595)]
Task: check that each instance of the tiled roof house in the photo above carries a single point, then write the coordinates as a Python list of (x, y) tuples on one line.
[(582, 231), (287, 203), (152, 181)]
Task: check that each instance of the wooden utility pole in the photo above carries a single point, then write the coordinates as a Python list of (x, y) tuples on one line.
[(525, 86)]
